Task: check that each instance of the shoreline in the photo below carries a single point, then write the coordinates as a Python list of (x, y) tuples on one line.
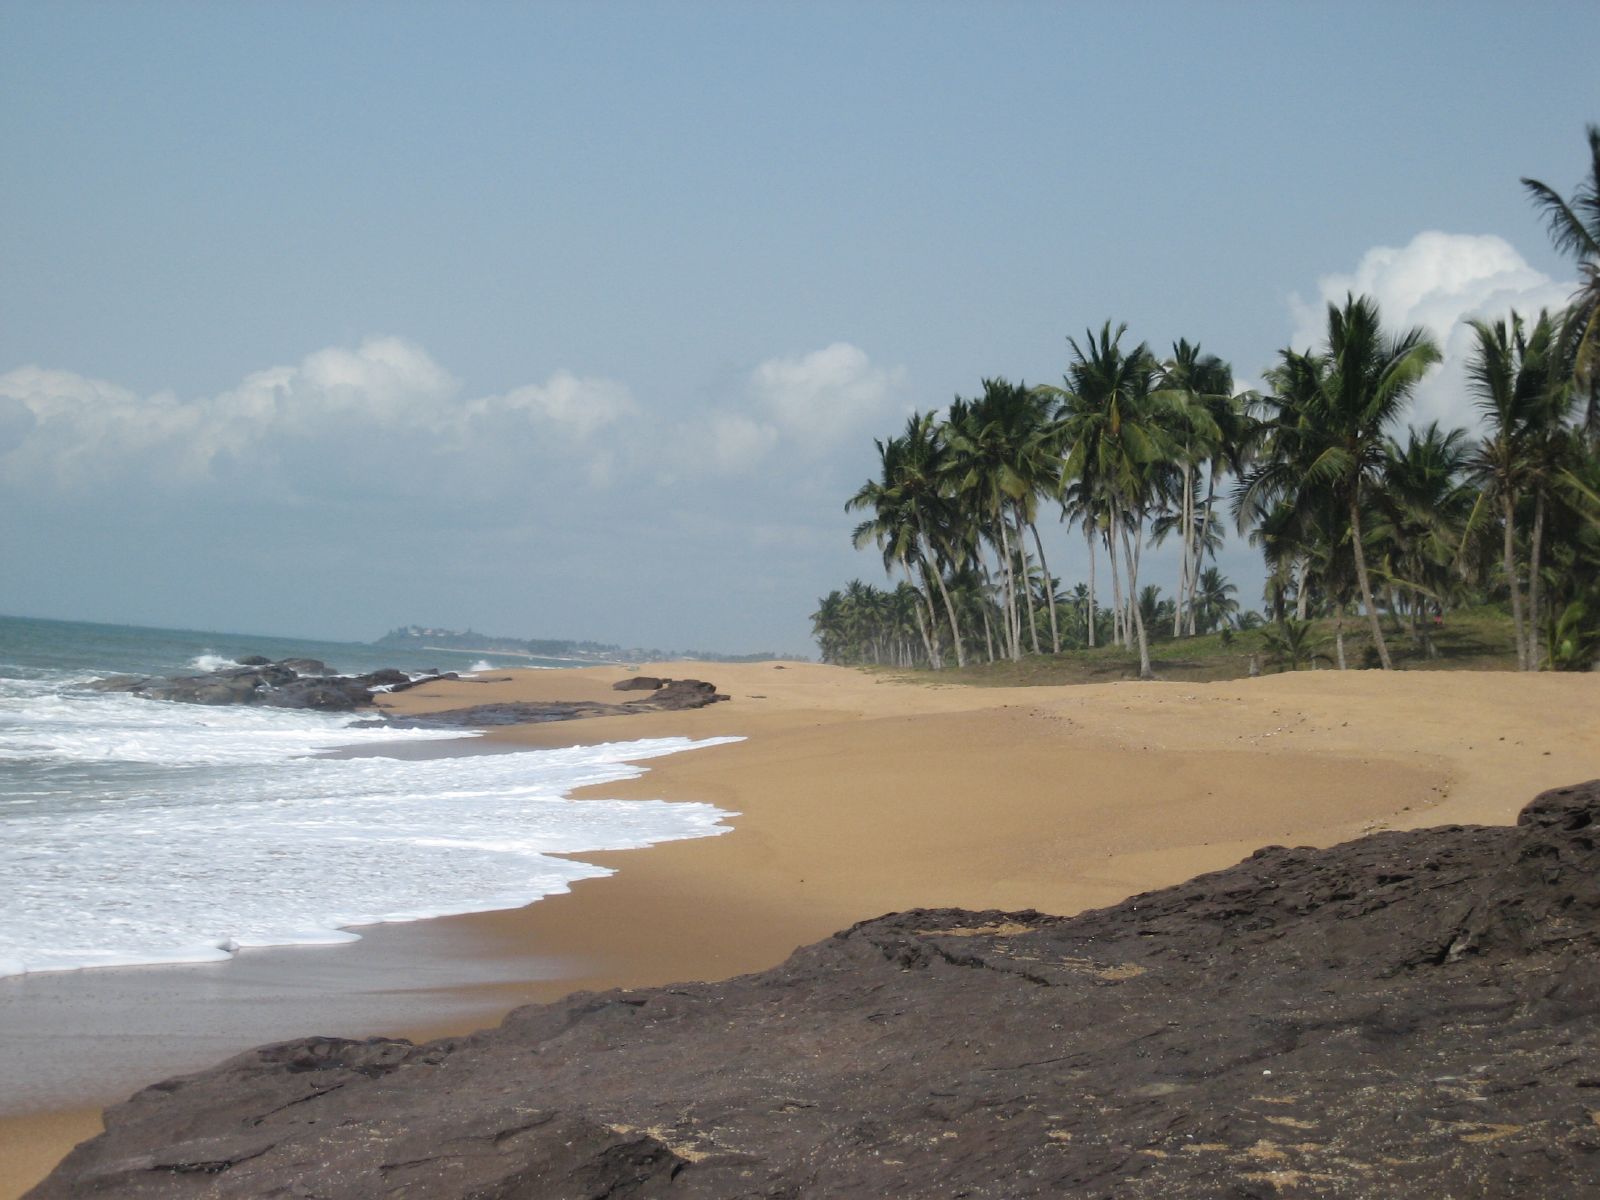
[(860, 795)]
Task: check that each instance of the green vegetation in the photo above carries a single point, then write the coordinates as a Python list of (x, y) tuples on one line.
[(1474, 639), (1432, 548)]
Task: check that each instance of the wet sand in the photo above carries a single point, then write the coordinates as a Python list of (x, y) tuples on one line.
[(860, 795)]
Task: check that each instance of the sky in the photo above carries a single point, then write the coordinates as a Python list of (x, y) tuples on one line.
[(579, 320)]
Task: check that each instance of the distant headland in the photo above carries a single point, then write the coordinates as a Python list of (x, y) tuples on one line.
[(471, 642)]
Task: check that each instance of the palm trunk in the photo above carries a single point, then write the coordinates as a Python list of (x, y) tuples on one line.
[(1338, 634), (1302, 590), (1138, 617), (1119, 610), (1186, 517), (988, 632), (926, 595), (949, 607), (1027, 584), (1534, 623), (922, 625), (1509, 551), (1200, 543), (1135, 614), (1088, 536), (1013, 632), (1050, 591), (1366, 586), (1393, 603)]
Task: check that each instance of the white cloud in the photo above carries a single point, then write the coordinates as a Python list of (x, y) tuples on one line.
[(578, 408), (1437, 280), (737, 442), (383, 403), (820, 397), (808, 403)]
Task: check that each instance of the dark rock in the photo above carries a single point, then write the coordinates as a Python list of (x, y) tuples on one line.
[(253, 660), (1411, 1014), (677, 694), (429, 677), (118, 683), (639, 683), (388, 677), (324, 695), (483, 716), (682, 693), (292, 683)]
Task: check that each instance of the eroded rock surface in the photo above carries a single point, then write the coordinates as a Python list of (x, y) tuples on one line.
[(673, 694), (1411, 1014)]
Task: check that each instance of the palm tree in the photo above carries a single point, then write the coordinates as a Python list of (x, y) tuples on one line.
[(1511, 374), (828, 626), (1575, 229), (1213, 603), (1003, 456), (1423, 513), (1112, 444), (1198, 391), (905, 500), (1290, 642), (1326, 449)]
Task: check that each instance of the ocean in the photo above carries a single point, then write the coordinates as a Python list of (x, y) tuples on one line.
[(135, 831)]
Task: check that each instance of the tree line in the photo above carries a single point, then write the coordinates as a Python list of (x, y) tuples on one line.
[(1134, 449)]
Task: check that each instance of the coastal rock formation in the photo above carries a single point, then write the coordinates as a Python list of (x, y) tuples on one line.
[(1410, 1014), (672, 695), (638, 683), (292, 683)]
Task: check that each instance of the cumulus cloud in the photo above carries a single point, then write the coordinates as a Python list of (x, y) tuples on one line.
[(1438, 281), (808, 403), (382, 403), (577, 408)]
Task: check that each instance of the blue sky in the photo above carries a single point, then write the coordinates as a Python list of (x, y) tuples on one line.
[(578, 320)]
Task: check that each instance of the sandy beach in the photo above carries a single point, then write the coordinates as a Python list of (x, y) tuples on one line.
[(860, 794)]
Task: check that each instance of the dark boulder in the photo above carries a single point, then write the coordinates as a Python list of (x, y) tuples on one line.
[(1410, 1014), (253, 660), (683, 693), (305, 666), (638, 683)]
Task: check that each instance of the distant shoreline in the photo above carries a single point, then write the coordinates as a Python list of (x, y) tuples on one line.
[(563, 658)]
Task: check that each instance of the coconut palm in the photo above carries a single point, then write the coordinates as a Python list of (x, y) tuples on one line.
[(1574, 227), (904, 501), (1114, 445), (1002, 457), (1198, 392), (1421, 517), (1512, 375), (1213, 603), (1327, 447)]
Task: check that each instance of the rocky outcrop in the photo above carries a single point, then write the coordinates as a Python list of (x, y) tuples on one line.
[(291, 683), (1411, 1014), (638, 683), (673, 695)]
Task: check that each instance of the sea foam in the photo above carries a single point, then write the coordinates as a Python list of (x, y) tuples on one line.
[(133, 831)]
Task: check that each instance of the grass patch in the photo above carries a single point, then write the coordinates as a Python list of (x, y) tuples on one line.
[(1473, 639)]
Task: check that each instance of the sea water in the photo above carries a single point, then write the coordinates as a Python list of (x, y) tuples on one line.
[(138, 831)]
